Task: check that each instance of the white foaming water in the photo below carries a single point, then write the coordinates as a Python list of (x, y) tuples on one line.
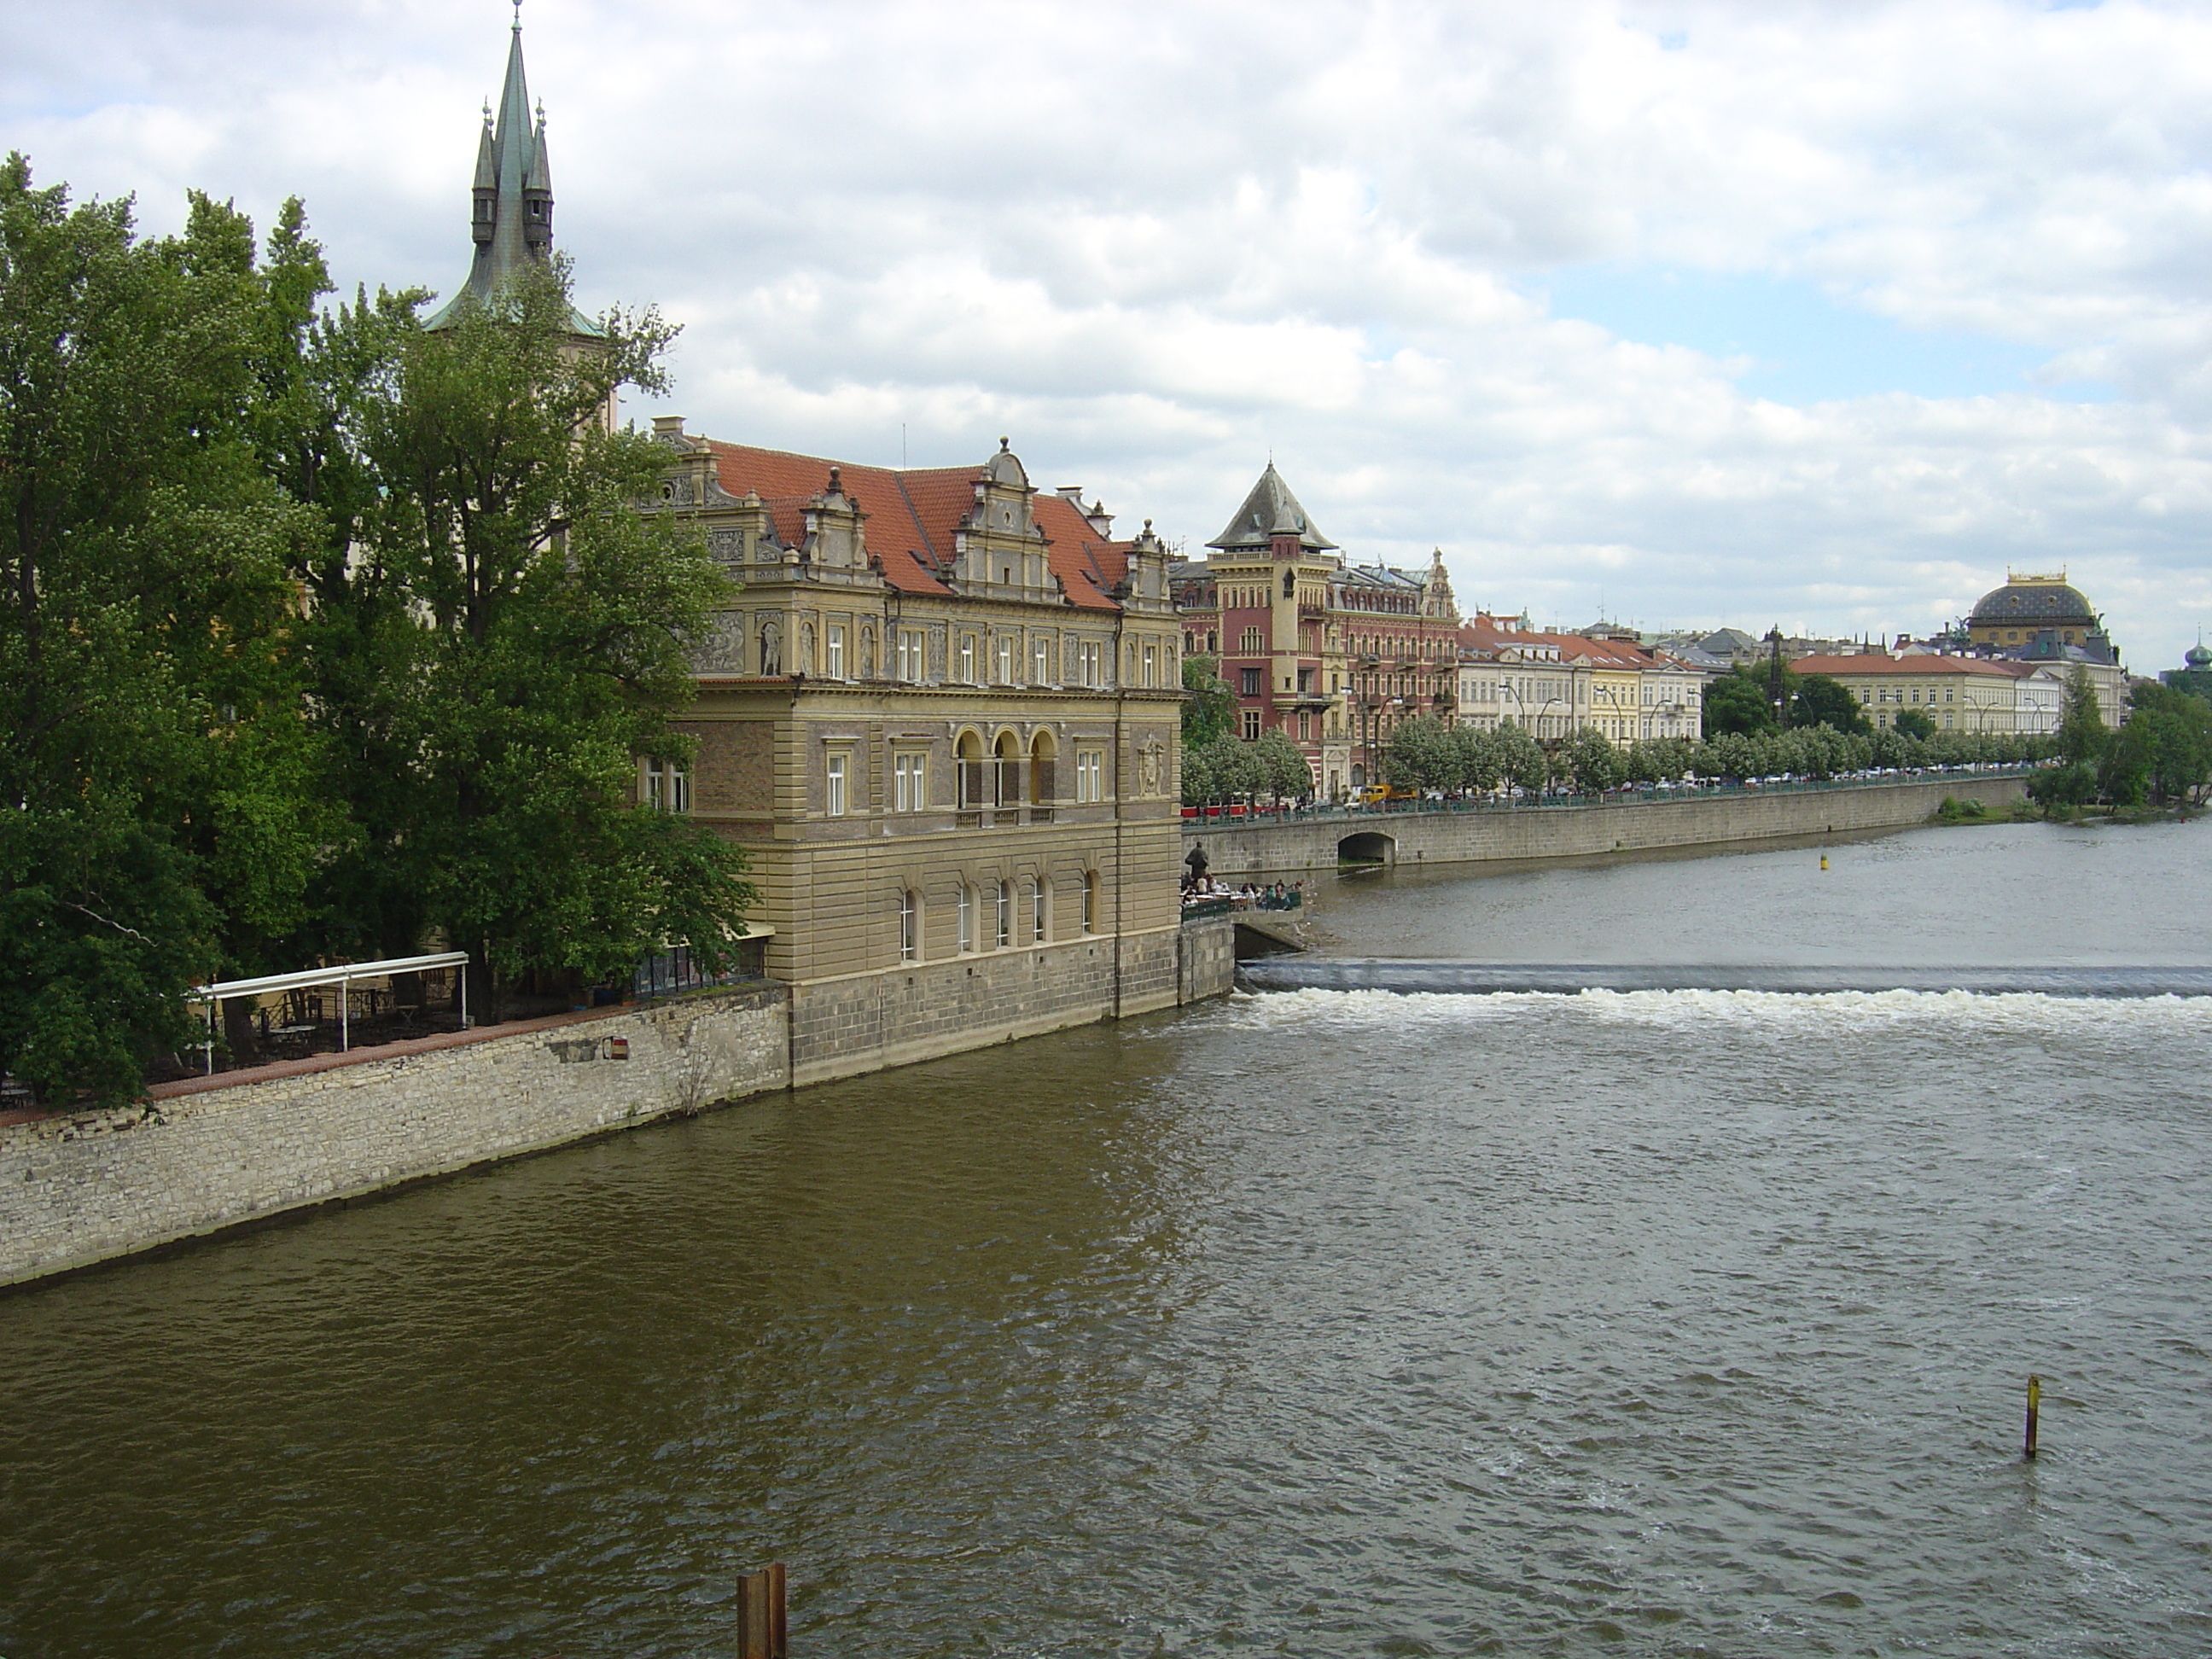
[(1855, 1011)]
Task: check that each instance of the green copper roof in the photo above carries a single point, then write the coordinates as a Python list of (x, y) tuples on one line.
[(512, 223)]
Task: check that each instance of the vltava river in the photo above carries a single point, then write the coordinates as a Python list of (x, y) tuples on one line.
[(1322, 1323)]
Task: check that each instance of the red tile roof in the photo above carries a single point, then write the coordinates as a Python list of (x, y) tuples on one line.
[(912, 515)]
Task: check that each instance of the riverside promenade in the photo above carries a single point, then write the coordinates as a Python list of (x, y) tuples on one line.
[(1468, 834)]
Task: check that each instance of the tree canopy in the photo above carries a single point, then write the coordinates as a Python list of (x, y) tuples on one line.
[(319, 633)]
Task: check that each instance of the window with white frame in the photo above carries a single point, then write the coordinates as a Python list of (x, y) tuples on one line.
[(911, 656), (1003, 930), (1090, 901), (1249, 643), (968, 659), (1006, 659), (1090, 775), (1251, 725), (833, 794), (1040, 900), (966, 908), (1041, 662), (834, 652), (910, 783), (1152, 664), (667, 787), (909, 925), (1089, 665)]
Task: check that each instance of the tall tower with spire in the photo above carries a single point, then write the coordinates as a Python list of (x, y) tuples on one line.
[(511, 218)]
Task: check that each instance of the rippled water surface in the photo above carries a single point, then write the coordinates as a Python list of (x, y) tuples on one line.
[(1319, 1323)]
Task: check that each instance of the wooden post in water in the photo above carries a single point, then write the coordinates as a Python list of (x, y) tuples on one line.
[(760, 1614), (2034, 1407)]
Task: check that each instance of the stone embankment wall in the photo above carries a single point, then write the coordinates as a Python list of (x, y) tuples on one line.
[(205, 1154), (1525, 833)]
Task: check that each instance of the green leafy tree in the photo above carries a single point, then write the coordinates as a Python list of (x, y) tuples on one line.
[(2080, 746), (1823, 701), (1286, 774), (521, 633), (1521, 759), (1737, 702), (1593, 763), (1477, 765), (1420, 755), (1914, 724), (161, 826), (1209, 706), (2177, 724)]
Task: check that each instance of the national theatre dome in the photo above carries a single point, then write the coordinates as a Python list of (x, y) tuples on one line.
[(2027, 605)]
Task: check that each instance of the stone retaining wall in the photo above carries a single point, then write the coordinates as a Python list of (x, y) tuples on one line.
[(209, 1153), (1524, 833), (200, 1155)]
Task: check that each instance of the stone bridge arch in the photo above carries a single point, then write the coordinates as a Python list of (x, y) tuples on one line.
[(1367, 847)]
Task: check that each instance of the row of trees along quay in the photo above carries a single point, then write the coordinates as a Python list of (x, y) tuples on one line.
[(1758, 724), (325, 635)]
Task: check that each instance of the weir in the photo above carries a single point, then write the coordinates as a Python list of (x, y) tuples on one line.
[(1474, 978)]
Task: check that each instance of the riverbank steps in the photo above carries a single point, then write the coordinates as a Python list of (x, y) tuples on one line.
[(203, 1155), (1736, 819)]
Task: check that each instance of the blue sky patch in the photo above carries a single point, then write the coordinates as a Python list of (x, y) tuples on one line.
[(1804, 348)]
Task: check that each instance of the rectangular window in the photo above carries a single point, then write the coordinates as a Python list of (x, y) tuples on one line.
[(1004, 929), (1090, 775), (1006, 659), (911, 656), (1089, 660), (1152, 664), (667, 787), (1090, 901), (1251, 682), (834, 796), (910, 783), (1305, 725), (910, 926), (1250, 645), (834, 665), (1251, 725), (968, 659), (967, 908), (1037, 928), (1040, 663)]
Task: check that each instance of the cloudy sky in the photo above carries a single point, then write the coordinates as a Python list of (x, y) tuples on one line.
[(1822, 315)]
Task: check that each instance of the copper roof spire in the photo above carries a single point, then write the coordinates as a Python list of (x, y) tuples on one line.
[(512, 220)]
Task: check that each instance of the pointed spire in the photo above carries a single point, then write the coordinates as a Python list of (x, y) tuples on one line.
[(511, 220), (1270, 511)]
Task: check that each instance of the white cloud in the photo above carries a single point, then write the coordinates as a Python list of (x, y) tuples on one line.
[(1152, 243)]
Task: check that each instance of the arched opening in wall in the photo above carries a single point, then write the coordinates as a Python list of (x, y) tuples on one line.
[(1010, 770), (1367, 847), (974, 769), (1044, 781)]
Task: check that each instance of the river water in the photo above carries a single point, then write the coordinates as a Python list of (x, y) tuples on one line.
[(1322, 1323)]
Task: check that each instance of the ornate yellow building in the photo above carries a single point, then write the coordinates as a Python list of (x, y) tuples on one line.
[(942, 714)]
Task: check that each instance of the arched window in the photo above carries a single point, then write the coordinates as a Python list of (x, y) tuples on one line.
[(974, 772), (1010, 770), (909, 925), (806, 663), (1090, 901), (1044, 784), (1290, 583), (1005, 930), (867, 653), (771, 646)]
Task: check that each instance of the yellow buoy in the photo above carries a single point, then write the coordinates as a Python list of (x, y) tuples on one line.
[(1824, 860)]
